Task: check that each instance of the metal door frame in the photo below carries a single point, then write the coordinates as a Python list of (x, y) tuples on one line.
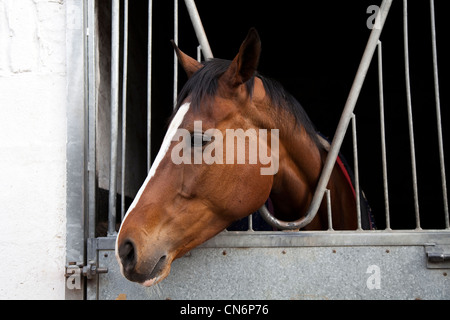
[(80, 148)]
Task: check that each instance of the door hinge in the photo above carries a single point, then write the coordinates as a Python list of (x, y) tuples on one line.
[(438, 256), (89, 271)]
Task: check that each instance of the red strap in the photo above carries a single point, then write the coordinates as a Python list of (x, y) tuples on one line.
[(345, 172)]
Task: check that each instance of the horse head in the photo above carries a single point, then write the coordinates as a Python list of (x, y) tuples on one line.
[(192, 191)]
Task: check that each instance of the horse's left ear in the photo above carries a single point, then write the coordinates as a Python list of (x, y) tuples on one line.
[(244, 65), (190, 65)]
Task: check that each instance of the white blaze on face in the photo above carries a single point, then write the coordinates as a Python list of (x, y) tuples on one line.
[(176, 122)]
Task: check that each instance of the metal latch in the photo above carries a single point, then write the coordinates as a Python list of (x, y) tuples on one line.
[(89, 271), (438, 257)]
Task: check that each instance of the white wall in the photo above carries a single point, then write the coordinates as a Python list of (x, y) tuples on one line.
[(32, 149)]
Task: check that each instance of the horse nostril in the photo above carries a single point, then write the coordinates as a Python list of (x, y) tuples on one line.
[(127, 255)]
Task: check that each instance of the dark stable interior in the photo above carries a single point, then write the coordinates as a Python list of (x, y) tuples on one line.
[(314, 48)]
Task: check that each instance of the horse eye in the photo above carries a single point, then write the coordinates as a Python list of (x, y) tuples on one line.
[(199, 139)]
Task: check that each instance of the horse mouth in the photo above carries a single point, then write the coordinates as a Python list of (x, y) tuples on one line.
[(159, 272)]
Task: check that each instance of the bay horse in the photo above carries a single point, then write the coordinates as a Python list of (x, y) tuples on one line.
[(181, 205)]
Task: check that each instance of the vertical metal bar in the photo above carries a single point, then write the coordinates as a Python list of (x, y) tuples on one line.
[(329, 210), (78, 105), (438, 114), (410, 116), (356, 169), (250, 222), (199, 53), (199, 30), (383, 137), (175, 59), (114, 115), (149, 83), (124, 106), (92, 286), (92, 120)]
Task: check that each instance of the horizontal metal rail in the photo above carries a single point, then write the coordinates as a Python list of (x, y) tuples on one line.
[(272, 239)]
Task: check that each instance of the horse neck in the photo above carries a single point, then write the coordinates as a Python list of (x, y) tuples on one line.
[(301, 163)]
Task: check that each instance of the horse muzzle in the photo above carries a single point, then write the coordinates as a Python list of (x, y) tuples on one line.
[(146, 269)]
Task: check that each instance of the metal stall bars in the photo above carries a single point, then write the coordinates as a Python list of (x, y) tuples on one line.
[(115, 57), (383, 137), (264, 244), (90, 122), (410, 116), (124, 107), (438, 114), (410, 122), (347, 115), (149, 82), (115, 46)]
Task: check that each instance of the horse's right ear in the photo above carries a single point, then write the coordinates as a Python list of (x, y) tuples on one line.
[(190, 65), (244, 65)]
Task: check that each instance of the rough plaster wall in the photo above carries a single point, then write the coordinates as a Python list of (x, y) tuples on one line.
[(32, 148)]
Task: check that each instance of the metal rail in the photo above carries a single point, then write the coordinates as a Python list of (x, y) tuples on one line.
[(199, 30), (438, 114), (347, 115), (410, 116), (383, 136), (124, 107), (356, 173), (149, 83), (115, 45), (175, 59), (115, 92)]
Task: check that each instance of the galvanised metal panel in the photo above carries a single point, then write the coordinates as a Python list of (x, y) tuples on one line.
[(384, 272), (279, 270), (76, 143)]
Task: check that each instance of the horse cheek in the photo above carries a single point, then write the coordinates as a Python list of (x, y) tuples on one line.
[(252, 191)]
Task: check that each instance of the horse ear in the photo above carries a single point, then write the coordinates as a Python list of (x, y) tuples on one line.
[(190, 65), (244, 65)]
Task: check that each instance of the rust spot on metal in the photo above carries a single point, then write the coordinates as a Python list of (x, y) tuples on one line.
[(121, 296)]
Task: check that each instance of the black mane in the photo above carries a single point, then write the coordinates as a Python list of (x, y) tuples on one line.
[(203, 84)]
